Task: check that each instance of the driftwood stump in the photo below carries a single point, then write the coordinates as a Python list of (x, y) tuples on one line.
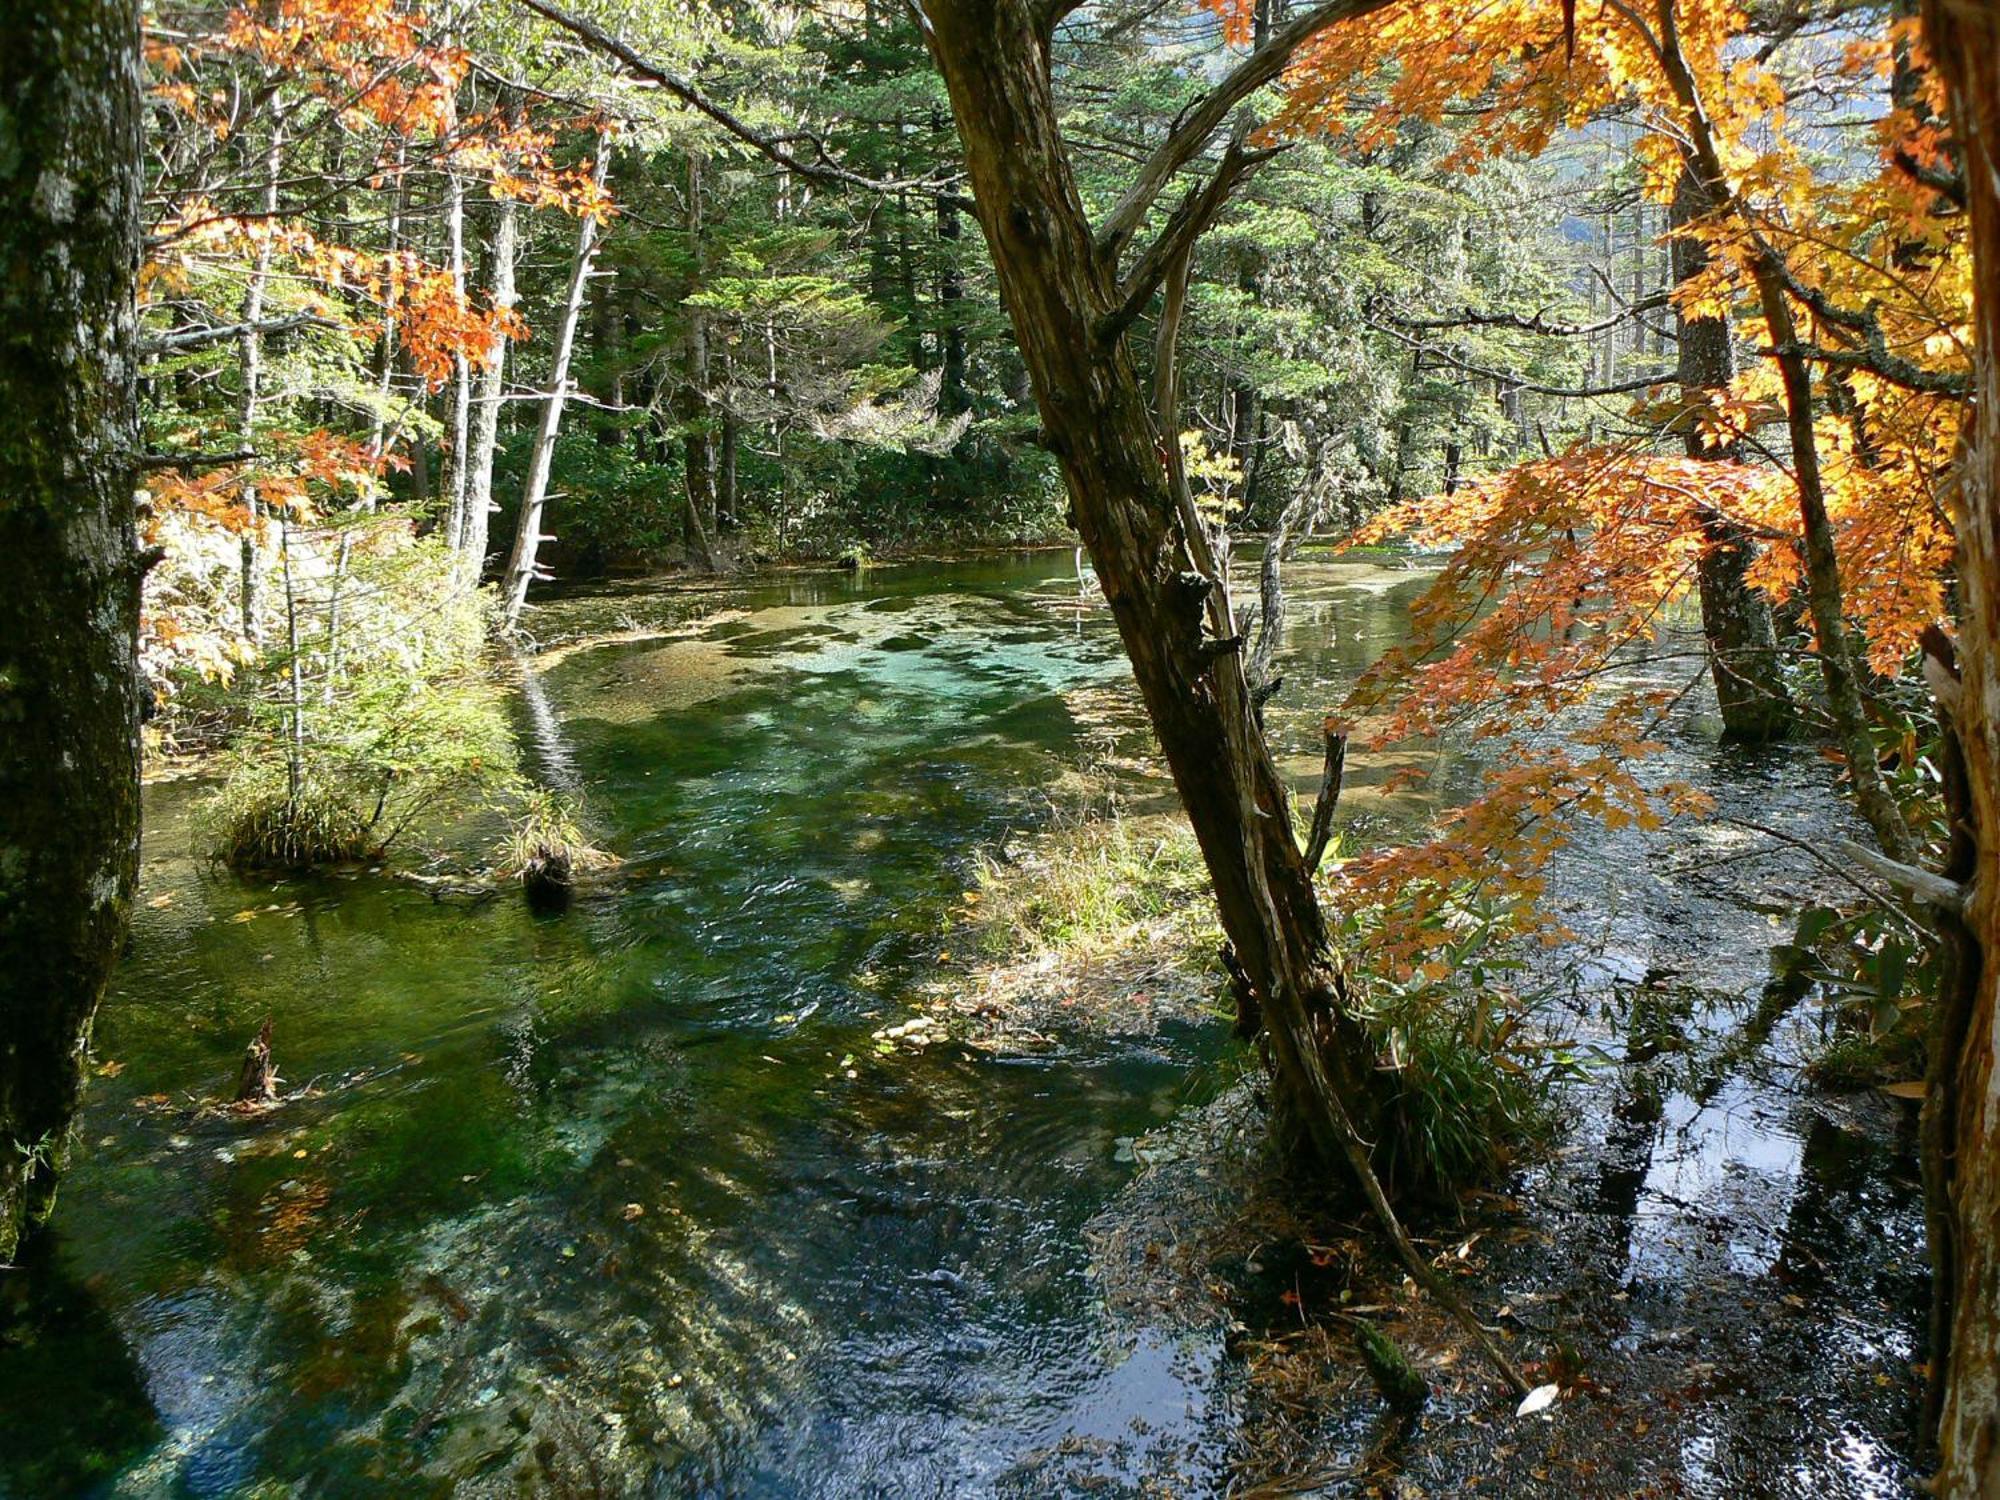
[(259, 1084), (549, 880)]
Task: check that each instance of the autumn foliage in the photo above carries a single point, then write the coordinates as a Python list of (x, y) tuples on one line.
[(1564, 572)]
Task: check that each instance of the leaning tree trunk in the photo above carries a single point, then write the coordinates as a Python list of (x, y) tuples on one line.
[(69, 694), (1964, 1101), (1100, 426), (528, 533), (1735, 618)]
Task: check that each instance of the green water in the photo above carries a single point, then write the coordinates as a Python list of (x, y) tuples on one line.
[(625, 1202), (592, 1204)]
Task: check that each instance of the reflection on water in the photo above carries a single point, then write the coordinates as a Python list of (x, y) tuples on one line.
[(626, 1201)]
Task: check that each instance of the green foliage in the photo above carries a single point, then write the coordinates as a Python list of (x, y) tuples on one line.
[(1472, 1053), (383, 716), (1092, 880), (1875, 975), (260, 820)]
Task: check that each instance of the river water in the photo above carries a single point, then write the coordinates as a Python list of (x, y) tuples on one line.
[(625, 1201)]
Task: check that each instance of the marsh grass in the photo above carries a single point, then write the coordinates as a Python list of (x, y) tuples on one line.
[(258, 820), (1104, 907), (548, 830)]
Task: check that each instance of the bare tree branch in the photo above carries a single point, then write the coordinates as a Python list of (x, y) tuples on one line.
[(183, 339), (1509, 378), (1538, 323), (1186, 225)]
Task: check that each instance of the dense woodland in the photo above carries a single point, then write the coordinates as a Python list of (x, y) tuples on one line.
[(341, 334)]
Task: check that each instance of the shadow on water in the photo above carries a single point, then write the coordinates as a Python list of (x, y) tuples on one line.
[(630, 1202)]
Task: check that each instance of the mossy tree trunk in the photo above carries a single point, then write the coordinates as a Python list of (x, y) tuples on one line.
[(69, 694)]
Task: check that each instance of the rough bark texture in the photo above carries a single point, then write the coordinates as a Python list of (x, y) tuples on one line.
[(1059, 290), (1965, 42), (1735, 618), (69, 698)]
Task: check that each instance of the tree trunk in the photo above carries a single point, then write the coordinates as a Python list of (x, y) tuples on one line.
[(486, 418), (528, 535), (697, 443), (1963, 1108), (252, 353), (70, 186), (953, 395), (1735, 618), (1839, 664), (459, 475), (1154, 571)]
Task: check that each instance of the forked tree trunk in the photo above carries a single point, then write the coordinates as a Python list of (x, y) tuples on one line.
[(1100, 426), (528, 534), (69, 696), (1963, 1107), (1735, 618)]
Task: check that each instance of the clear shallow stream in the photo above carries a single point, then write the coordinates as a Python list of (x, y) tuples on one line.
[(624, 1202)]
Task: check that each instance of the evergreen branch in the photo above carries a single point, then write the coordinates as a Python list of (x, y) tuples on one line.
[(1185, 141), (822, 169)]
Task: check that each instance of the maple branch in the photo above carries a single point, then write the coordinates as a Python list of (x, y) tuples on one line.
[(823, 169), (1881, 363), (195, 338), (1184, 226), (1201, 120), (1877, 360)]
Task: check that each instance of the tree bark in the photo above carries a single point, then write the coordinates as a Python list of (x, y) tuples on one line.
[(1963, 1108), (1154, 569), (486, 416), (528, 535), (251, 347), (70, 185), (1736, 619), (459, 475)]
